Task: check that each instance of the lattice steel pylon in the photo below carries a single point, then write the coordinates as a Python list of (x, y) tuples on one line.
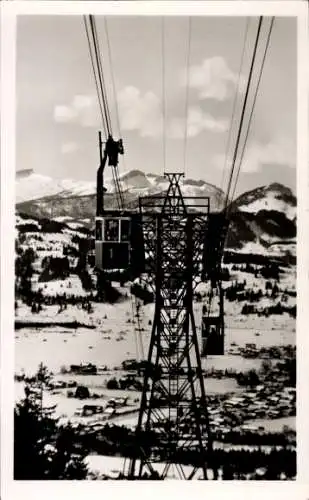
[(173, 425)]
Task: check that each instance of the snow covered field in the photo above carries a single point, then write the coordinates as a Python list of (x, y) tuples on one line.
[(57, 346), (110, 466)]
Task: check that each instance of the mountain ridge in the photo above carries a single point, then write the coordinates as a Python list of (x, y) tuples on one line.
[(132, 179), (261, 218)]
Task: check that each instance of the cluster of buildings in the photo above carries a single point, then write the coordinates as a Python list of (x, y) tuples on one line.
[(108, 409), (251, 350), (263, 402)]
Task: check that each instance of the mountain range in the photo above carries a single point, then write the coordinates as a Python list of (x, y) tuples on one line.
[(263, 219)]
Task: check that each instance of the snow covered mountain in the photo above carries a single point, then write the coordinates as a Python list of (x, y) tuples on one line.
[(274, 197), (41, 195), (263, 220), (31, 186)]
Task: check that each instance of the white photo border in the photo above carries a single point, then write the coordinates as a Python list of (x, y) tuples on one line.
[(33, 490)]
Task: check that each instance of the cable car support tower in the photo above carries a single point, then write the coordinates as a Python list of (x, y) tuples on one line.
[(173, 400)]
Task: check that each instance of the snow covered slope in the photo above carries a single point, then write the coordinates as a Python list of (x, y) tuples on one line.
[(274, 197), (264, 221)]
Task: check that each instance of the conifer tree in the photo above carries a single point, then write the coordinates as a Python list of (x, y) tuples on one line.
[(42, 448)]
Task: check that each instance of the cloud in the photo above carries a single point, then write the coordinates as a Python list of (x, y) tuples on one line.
[(83, 110), (137, 111), (213, 79), (198, 121), (64, 114), (69, 147), (140, 112), (279, 151)]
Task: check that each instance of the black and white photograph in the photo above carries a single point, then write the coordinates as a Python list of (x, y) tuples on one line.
[(156, 246)]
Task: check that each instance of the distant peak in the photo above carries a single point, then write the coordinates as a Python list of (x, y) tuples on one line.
[(133, 173), (276, 186), (26, 172)]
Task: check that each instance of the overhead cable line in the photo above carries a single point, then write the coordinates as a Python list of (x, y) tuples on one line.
[(114, 88), (235, 102), (100, 73), (118, 187), (253, 104), (112, 76), (95, 76), (187, 94), (138, 328), (118, 181), (163, 92), (225, 234), (135, 330), (96, 61), (243, 110), (250, 119)]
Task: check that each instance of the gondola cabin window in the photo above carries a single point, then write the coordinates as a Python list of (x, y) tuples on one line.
[(98, 229), (124, 230), (113, 245), (112, 230)]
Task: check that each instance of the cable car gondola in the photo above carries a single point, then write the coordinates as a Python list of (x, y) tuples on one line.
[(118, 234), (213, 246), (112, 242), (212, 336), (213, 329)]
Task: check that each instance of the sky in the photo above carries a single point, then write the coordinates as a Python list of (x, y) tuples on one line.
[(58, 114)]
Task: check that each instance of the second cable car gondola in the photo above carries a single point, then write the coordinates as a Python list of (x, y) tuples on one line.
[(213, 329), (213, 246), (212, 336)]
